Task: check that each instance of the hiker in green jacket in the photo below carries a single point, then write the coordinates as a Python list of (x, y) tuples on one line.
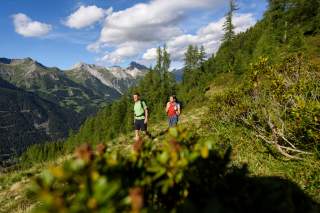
[(140, 116)]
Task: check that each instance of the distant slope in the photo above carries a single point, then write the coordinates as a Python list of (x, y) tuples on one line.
[(178, 74), (83, 88), (51, 84), (107, 79), (45, 103), (26, 119)]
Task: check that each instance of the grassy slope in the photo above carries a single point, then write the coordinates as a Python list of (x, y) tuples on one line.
[(246, 150), (13, 185)]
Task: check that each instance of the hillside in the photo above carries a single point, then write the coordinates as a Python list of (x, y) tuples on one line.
[(245, 151), (44, 104), (248, 138), (27, 119), (81, 89), (108, 82)]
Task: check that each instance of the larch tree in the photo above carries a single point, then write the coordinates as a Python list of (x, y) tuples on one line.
[(228, 26)]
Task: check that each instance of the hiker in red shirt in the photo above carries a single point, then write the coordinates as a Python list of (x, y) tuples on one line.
[(173, 111)]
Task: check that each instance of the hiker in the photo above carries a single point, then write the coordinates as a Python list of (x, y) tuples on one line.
[(140, 116), (173, 111)]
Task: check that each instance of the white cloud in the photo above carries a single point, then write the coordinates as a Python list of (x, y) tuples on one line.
[(243, 22), (146, 24), (135, 32), (152, 21), (86, 16), (25, 26), (94, 47), (123, 51), (150, 54), (209, 36)]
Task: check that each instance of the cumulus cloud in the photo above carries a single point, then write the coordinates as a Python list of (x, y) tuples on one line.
[(209, 36), (146, 24), (152, 21), (123, 51), (86, 16), (135, 32), (25, 26), (150, 54)]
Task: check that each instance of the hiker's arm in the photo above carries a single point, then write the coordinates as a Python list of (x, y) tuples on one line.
[(145, 115), (167, 107), (178, 111)]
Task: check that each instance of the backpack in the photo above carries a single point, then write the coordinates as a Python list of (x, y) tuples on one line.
[(178, 104)]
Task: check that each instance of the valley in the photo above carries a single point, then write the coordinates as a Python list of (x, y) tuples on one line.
[(41, 104)]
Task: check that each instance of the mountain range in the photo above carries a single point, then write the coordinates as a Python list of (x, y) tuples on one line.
[(178, 74), (39, 103)]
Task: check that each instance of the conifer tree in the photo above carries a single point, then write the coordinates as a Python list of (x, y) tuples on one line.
[(228, 25), (158, 66), (188, 59), (167, 80), (229, 36), (165, 59), (202, 55), (195, 57)]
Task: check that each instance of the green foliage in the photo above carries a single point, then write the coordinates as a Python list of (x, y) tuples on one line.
[(302, 13), (280, 103), (107, 124), (195, 76), (193, 58), (291, 90), (283, 30), (107, 180), (182, 173), (25, 121), (39, 153)]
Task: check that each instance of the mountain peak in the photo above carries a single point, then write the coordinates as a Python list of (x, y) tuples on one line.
[(31, 61), (136, 65), (82, 65), (28, 60), (78, 65)]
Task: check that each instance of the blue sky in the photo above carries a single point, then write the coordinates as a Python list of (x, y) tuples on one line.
[(114, 32)]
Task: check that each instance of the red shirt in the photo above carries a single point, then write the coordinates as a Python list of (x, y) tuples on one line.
[(172, 109)]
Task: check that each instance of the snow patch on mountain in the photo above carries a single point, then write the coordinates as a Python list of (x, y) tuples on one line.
[(119, 73), (99, 76), (115, 77)]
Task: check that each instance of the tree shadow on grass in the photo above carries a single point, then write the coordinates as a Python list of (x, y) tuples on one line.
[(229, 189)]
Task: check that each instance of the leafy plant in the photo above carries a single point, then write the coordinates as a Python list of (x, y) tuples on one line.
[(158, 177), (279, 102)]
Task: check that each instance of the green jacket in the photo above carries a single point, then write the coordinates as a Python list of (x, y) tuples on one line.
[(139, 108)]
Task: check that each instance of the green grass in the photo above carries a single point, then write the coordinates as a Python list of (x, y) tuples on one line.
[(313, 48), (262, 161), (14, 187), (260, 158)]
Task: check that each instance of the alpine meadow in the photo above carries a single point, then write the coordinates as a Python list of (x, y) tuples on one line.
[(247, 138)]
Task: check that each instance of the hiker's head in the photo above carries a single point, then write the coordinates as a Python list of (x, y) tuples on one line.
[(172, 98), (136, 96)]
